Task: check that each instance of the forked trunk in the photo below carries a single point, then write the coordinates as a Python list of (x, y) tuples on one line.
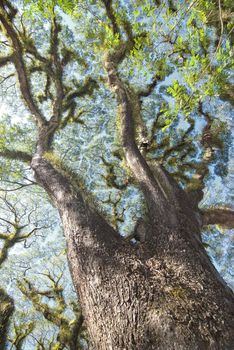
[(160, 294), (150, 296)]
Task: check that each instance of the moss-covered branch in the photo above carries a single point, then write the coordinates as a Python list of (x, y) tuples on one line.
[(111, 15), (6, 311), (69, 331), (21, 332), (111, 178), (58, 69), (15, 232)]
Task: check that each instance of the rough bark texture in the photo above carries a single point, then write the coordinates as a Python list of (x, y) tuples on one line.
[(163, 294)]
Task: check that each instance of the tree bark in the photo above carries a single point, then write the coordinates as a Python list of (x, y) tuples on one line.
[(162, 294), (218, 216)]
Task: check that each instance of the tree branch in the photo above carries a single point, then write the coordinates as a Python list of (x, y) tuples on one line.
[(21, 333), (202, 168), (7, 309), (158, 202), (68, 334), (218, 216), (82, 90), (17, 58), (16, 155), (150, 88), (5, 60), (57, 104), (111, 15), (58, 184)]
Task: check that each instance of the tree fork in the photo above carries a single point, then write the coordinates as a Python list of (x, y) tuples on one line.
[(146, 296)]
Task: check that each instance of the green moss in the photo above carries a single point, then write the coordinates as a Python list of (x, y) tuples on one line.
[(6, 311), (178, 293)]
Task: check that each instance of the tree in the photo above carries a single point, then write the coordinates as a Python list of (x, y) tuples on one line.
[(160, 289)]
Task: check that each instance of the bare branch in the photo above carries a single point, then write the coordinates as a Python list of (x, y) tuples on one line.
[(19, 185)]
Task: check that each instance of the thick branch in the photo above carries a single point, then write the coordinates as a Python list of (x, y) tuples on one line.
[(16, 155), (218, 216), (18, 61), (65, 197), (11, 11), (157, 199), (162, 193), (5, 60)]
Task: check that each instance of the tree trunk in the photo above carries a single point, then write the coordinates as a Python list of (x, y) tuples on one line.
[(160, 294)]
